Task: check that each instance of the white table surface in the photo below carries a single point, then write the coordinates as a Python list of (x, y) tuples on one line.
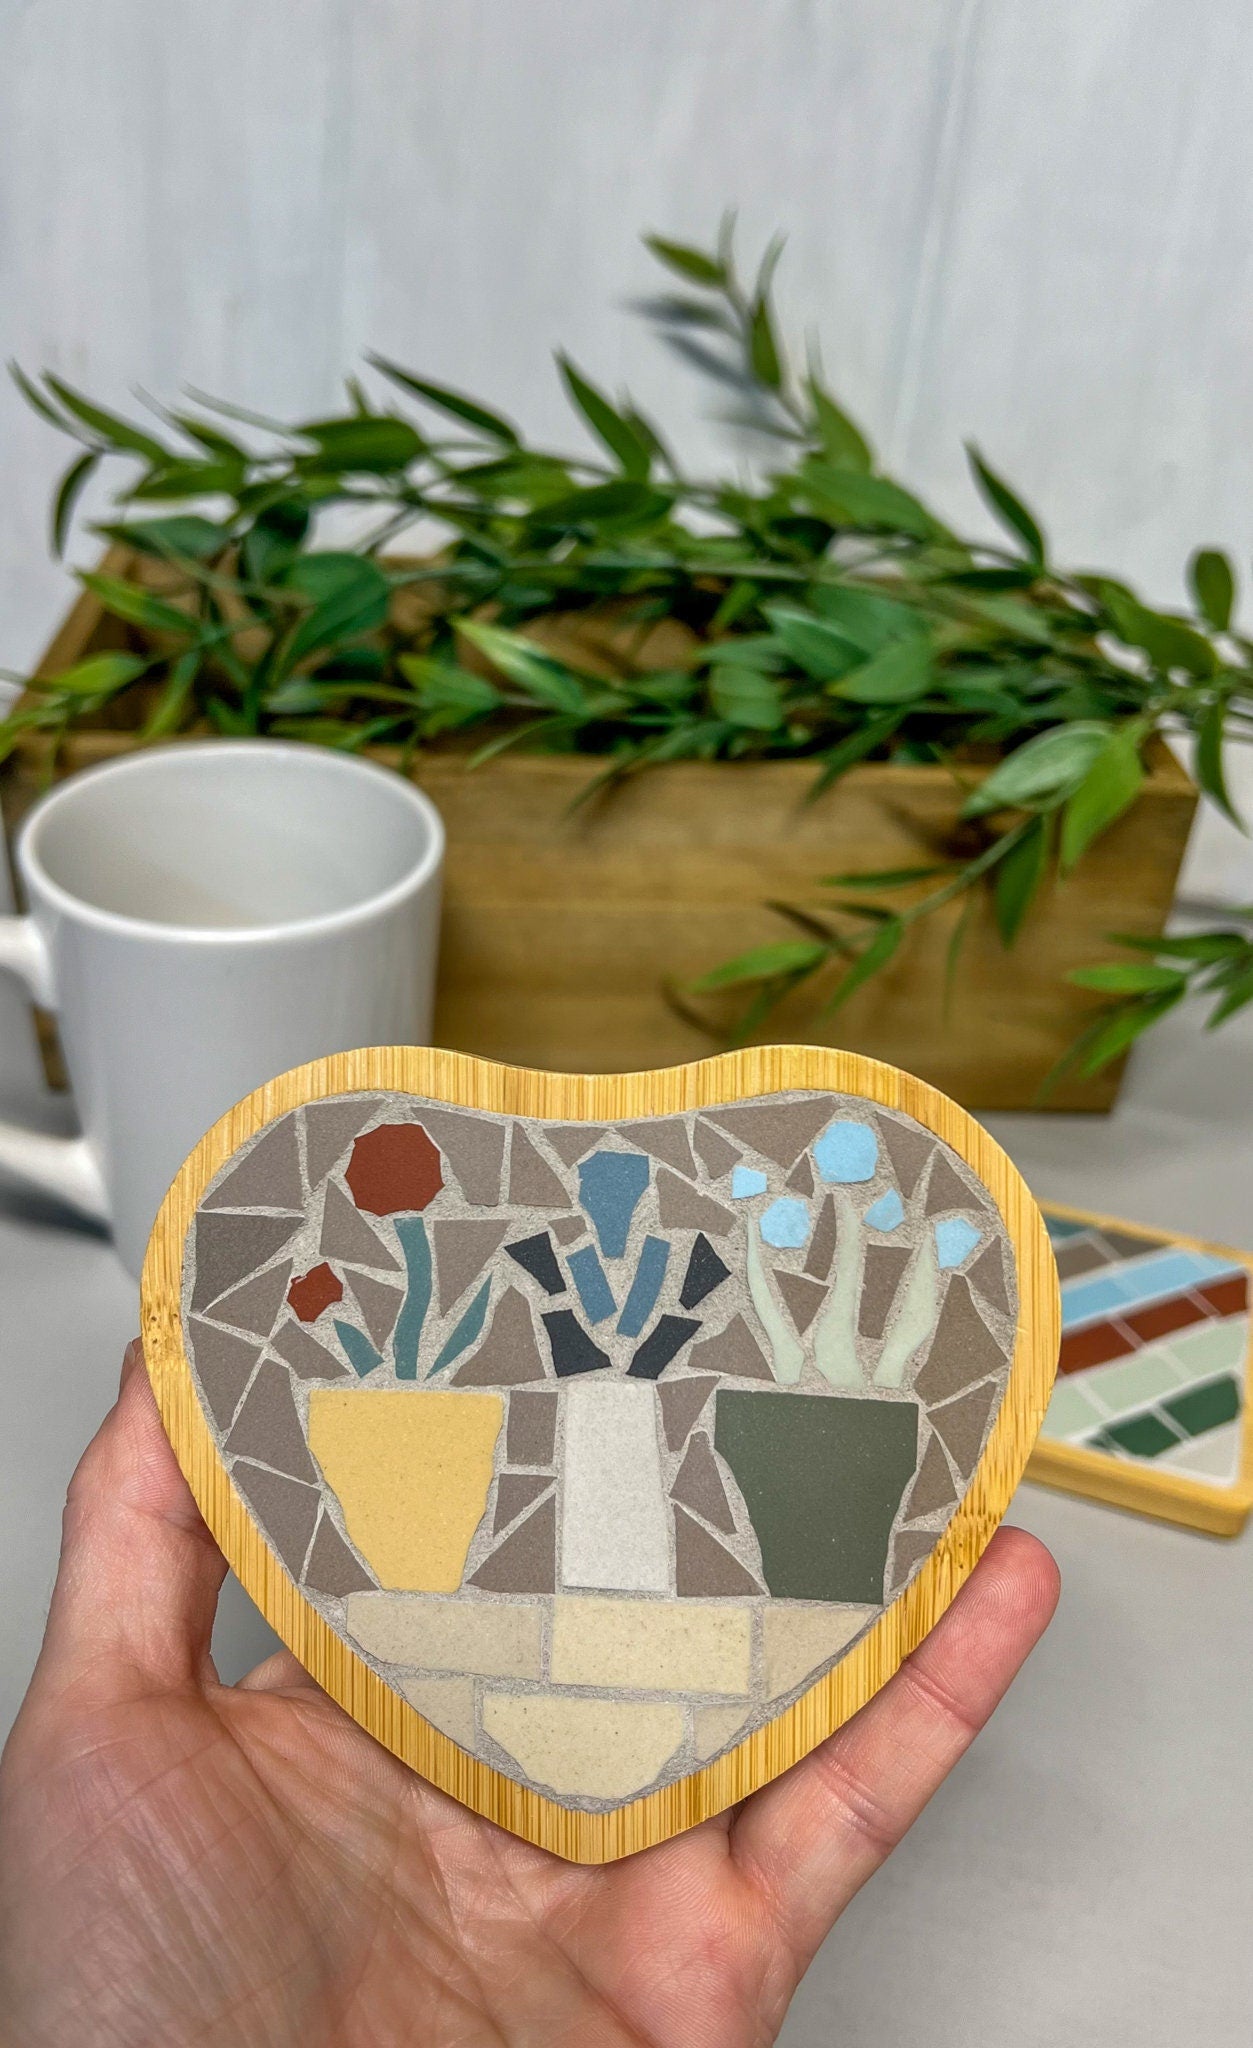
[(1085, 1878)]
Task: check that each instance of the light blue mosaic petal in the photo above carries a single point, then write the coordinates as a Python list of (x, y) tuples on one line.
[(887, 1212), (785, 1224), (645, 1287), (358, 1350), (747, 1181), (416, 1246), (954, 1240), (467, 1329), (846, 1151), (610, 1186), (589, 1277)]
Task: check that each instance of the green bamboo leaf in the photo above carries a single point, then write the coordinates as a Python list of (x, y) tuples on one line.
[(184, 534), (843, 443), (118, 433), (549, 682), (101, 675), (1017, 879), (819, 648), (875, 732), (1199, 946), (71, 486), (351, 596), (1238, 994), (882, 878), (1008, 507), (1112, 784), (1127, 978), (449, 695), (1213, 584), (1042, 772), (208, 479), (625, 444), (899, 675), (870, 961), (627, 503), (691, 264), (35, 399), (763, 348), (1169, 643), (139, 607), (746, 697), (763, 963), (1207, 761), (492, 424), (872, 503), (1112, 1036), (169, 713), (379, 444), (868, 621)]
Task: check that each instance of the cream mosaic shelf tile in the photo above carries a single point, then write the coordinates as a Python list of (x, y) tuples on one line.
[(600, 1438)]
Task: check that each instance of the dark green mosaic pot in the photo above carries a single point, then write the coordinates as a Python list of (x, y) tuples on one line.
[(823, 1480)]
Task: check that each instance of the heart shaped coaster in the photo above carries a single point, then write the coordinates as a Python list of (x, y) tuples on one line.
[(600, 1443)]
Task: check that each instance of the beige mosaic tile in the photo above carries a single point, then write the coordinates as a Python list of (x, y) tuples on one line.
[(447, 1703), (796, 1641), (651, 1646), (715, 1729), (595, 1749), (492, 1639)]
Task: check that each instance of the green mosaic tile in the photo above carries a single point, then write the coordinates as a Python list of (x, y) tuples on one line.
[(1070, 1412), (1135, 1381), (1205, 1407), (1210, 1348), (1145, 1436)]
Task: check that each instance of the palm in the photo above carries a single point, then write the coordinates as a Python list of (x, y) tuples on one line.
[(186, 1861)]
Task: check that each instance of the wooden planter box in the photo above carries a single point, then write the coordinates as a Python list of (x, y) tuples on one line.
[(564, 928)]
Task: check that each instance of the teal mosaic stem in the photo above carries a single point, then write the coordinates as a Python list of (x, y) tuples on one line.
[(786, 1353), (835, 1338), (416, 1246), (914, 1321), (466, 1330), (358, 1350)]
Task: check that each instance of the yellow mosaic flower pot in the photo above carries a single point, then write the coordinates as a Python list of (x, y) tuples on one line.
[(411, 1472)]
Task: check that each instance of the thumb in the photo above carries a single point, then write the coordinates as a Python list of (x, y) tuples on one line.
[(139, 1577)]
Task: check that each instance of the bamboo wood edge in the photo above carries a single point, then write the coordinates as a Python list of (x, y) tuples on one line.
[(1168, 1496), (460, 1079)]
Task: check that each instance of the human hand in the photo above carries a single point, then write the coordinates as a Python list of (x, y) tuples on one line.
[(187, 1862)]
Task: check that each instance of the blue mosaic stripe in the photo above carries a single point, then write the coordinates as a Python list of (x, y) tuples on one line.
[(1138, 1282)]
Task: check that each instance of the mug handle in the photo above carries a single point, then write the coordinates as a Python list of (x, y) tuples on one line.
[(64, 1168)]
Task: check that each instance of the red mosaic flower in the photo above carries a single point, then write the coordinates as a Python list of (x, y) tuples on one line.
[(314, 1291), (394, 1169)]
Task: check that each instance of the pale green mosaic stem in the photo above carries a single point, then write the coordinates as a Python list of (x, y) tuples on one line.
[(915, 1319), (786, 1353), (835, 1339)]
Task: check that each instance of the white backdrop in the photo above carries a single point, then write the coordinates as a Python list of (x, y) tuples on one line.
[(1028, 225)]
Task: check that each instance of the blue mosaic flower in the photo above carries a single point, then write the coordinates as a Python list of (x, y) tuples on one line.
[(846, 1151), (747, 1181), (785, 1224), (954, 1240), (887, 1212)]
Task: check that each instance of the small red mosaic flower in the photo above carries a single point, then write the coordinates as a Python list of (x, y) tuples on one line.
[(314, 1291), (394, 1169)]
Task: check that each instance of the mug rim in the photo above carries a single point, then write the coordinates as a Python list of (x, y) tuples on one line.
[(40, 882)]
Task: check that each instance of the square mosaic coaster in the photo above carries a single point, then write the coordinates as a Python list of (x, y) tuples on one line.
[(1151, 1407), (601, 1443)]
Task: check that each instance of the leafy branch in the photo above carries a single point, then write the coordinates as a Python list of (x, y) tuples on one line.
[(603, 602)]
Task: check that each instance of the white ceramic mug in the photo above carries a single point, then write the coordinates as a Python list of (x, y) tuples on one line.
[(202, 917)]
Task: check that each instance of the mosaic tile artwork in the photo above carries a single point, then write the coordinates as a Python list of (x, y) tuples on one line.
[(600, 1444), (1155, 1344)]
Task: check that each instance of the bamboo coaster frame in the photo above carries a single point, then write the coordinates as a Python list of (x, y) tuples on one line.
[(1167, 1496), (461, 1080)]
